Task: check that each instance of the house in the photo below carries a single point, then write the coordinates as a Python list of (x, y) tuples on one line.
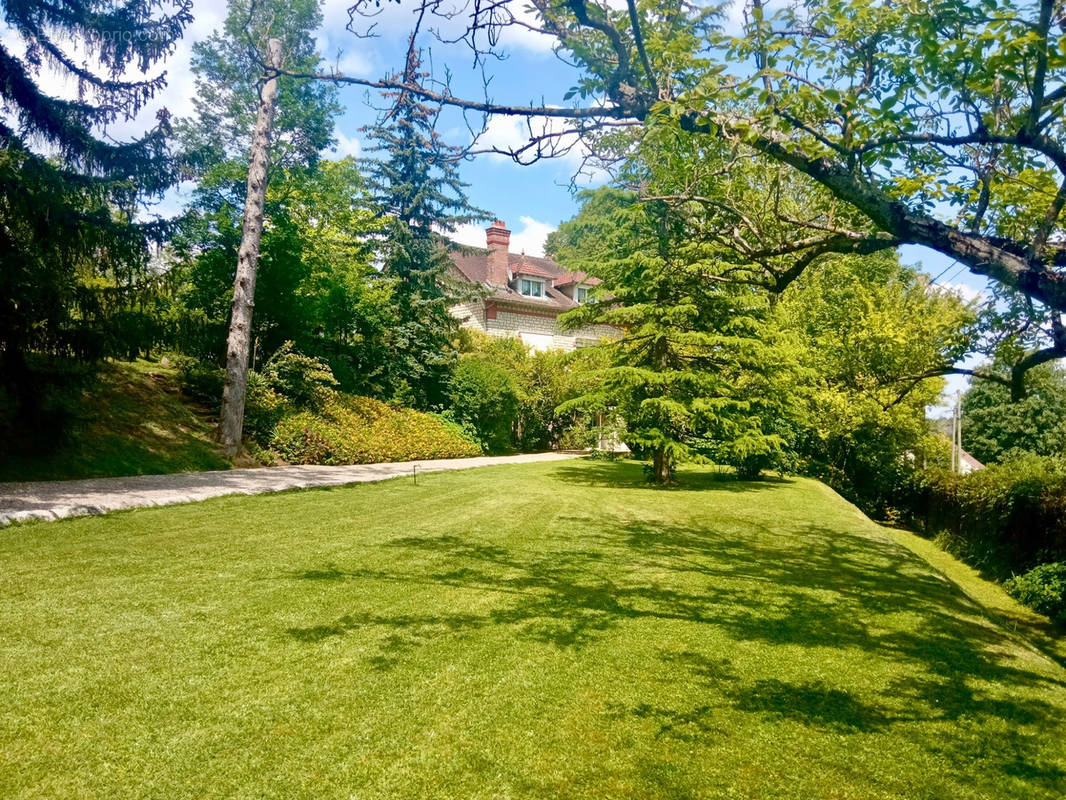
[(523, 296)]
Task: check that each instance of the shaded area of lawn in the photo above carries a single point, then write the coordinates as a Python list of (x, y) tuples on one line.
[(127, 418), (528, 631)]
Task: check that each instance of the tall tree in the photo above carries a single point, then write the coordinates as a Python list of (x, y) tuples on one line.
[(994, 429), (419, 197), (697, 371), (240, 328), (67, 191)]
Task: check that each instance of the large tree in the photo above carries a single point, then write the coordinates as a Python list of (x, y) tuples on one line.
[(994, 429), (697, 370), (68, 190), (419, 198), (938, 123)]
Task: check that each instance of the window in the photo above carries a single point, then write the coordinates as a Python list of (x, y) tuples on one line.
[(582, 294), (531, 288)]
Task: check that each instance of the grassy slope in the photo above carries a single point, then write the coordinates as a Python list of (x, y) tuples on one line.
[(530, 631), (131, 420)]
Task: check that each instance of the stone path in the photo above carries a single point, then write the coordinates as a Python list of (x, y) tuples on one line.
[(57, 499)]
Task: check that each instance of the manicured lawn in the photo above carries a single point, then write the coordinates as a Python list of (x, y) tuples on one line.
[(538, 631)]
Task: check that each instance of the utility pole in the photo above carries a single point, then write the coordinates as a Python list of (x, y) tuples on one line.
[(240, 329), (956, 436)]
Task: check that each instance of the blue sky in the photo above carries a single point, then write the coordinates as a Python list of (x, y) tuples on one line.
[(533, 200)]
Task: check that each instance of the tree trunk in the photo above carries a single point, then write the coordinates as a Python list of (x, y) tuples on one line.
[(240, 328), (662, 473)]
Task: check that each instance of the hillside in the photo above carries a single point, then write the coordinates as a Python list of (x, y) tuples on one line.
[(535, 631), (129, 418)]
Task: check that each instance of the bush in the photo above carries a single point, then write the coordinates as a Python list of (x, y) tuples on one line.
[(1003, 520), (306, 381), (1042, 588), (263, 409), (358, 430), (484, 396)]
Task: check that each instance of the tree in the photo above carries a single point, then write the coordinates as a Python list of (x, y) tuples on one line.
[(419, 198), (939, 124), (995, 429), (873, 338), (697, 371), (240, 329), (67, 217), (316, 286)]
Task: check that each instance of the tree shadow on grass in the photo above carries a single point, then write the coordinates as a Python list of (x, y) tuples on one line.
[(812, 587)]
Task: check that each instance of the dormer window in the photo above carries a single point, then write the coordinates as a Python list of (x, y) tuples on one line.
[(531, 288), (581, 294)]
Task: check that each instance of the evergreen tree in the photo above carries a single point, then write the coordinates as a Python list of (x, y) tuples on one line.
[(697, 373), (66, 218), (419, 197)]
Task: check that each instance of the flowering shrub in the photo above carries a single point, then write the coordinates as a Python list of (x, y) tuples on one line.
[(359, 430)]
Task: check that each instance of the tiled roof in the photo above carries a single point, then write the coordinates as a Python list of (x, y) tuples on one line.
[(578, 277), (473, 264), (523, 267)]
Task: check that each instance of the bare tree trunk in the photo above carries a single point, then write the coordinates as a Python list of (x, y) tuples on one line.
[(240, 327)]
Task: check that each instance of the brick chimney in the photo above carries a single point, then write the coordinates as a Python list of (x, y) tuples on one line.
[(497, 238)]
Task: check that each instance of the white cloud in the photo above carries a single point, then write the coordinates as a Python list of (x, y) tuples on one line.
[(345, 146), (529, 239), (967, 293)]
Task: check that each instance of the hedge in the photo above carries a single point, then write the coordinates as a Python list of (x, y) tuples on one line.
[(1004, 520), (359, 430)]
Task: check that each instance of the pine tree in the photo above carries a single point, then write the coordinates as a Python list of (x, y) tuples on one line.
[(697, 372), (417, 192), (68, 193)]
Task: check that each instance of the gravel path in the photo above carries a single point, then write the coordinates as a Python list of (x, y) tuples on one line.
[(57, 499)]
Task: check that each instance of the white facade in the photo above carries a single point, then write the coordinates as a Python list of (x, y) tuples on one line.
[(539, 332)]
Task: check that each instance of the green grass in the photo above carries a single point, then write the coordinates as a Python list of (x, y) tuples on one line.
[(130, 418), (539, 631)]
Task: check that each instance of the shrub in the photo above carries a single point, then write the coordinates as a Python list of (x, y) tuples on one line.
[(1004, 519), (358, 430), (484, 396), (1042, 588), (263, 409), (306, 381)]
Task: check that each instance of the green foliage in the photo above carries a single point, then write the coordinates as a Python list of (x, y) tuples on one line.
[(541, 382), (74, 273), (697, 372), (1003, 520), (305, 381), (359, 430), (867, 330), (996, 428), (228, 65), (484, 396), (1042, 588), (417, 195)]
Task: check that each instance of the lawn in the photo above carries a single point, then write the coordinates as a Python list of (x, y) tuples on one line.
[(536, 631), (126, 418)]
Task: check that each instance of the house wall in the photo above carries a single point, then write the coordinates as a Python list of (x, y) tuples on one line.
[(538, 331), (545, 330)]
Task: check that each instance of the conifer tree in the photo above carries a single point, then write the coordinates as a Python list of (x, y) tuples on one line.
[(67, 191), (419, 197), (698, 372)]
